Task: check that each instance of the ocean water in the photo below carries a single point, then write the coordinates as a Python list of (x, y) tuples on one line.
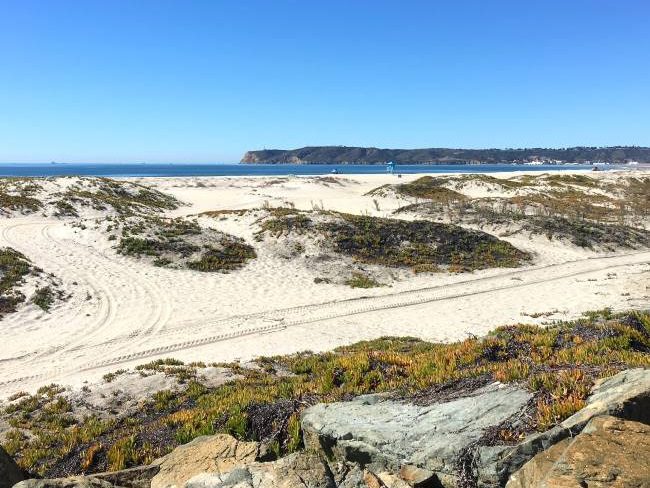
[(182, 169)]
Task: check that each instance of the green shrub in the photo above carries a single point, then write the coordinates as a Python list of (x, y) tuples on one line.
[(360, 280), (44, 298)]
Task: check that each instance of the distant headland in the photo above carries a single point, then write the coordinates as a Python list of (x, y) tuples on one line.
[(373, 155)]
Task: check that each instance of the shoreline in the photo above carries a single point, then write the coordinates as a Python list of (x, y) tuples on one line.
[(25, 170)]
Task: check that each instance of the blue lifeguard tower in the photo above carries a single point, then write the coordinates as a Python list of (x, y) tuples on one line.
[(390, 167)]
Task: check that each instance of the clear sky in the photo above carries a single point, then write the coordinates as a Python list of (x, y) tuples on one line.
[(204, 81)]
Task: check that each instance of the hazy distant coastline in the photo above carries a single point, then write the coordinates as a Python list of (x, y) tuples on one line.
[(373, 155)]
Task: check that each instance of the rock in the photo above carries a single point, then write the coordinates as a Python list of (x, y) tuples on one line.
[(299, 470), (74, 482), (392, 481), (610, 452), (418, 477), (10, 473), (139, 477), (385, 435), (625, 395), (207, 454), (372, 480), (532, 473), (346, 475)]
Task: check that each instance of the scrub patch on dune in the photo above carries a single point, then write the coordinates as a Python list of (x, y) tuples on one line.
[(73, 196), (14, 267), (419, 245), (183, 243), (18, 195), (588, 212), (121, 197), (22, 282)]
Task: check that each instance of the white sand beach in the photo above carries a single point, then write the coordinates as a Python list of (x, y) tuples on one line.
[(122, 311)]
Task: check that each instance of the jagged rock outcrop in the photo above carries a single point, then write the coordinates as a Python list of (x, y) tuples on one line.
[(423, 444), (395, 436), (610, 452), (300, 470), (10, 473)]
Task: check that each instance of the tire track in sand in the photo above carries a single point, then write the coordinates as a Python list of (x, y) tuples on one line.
[(30, 246), (360, 306), (106, 275), (160, 305)]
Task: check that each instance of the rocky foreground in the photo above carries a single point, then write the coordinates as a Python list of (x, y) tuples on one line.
[(468, 438)]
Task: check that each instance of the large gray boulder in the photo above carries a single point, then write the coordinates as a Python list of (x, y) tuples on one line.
[(10, 473), (423, 443)]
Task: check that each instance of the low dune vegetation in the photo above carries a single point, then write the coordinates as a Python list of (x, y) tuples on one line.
[(586, 211), (133, 212), (426, 187), (559, 364), (512, 220), (588, 234), (182, 243), (444, 189), (45, 296), (420, 245), (361, 280), (637, 195)]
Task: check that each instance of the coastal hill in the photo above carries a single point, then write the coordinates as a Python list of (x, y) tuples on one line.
[(373, 155)]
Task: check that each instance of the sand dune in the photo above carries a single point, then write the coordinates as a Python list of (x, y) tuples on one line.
[(122, 311)]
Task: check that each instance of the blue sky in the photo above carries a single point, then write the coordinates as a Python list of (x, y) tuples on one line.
[(204, 81)]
